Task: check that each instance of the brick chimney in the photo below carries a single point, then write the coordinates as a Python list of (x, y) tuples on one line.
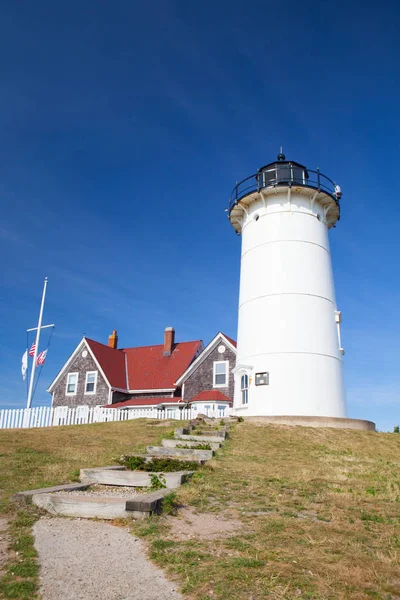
[(169, 340), (113, 339)]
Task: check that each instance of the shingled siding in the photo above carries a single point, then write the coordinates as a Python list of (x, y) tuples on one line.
[(202, 377), (81, 365)]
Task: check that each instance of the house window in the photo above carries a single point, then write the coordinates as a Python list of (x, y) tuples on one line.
[(221, 373), (221, 408), (72, 384), (90, 382), (244, 389)]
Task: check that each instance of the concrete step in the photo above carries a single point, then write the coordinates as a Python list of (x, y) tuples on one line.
[(199, 438), (212, 432), (121, 476), (179, 453), (147, 504), (66, 487), (138, 507), (169, 443)]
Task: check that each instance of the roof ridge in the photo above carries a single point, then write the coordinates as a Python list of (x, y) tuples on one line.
[(159, 345)]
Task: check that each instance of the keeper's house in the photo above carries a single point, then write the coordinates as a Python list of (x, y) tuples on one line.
[(168, 376)]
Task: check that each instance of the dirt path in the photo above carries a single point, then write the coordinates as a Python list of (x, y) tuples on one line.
[(86, 560)]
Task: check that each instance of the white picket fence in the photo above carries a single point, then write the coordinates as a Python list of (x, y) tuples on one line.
[(45, 416)]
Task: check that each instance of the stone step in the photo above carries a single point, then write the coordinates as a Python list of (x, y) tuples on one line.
[(217, 432), (138, 507), (179, 453), (147, 504), (199, 438), (121, 476), (66, 487), (212, 432), (169, 443)]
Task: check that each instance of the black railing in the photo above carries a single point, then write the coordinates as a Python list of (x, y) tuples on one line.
[(284, 174)]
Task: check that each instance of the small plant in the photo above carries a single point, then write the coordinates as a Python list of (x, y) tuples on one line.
[(170, 504), (396, 429), (74, 475), (198, 446), (158, 465), (240, 419), (157, 481)]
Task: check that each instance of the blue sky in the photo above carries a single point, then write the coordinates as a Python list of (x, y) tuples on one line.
[(124, 126)]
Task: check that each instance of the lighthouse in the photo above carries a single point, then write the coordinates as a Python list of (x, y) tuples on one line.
[(289, 350)]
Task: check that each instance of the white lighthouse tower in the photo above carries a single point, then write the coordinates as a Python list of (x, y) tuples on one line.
[(289, 354)]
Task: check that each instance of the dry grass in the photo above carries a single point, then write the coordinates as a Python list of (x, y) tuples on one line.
[(35, 458), (320, 510)]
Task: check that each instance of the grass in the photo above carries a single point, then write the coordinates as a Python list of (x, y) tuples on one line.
[(320, 516), (35, 458), (319, 509)]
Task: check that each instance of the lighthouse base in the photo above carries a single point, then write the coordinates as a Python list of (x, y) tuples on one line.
[(334, 422)]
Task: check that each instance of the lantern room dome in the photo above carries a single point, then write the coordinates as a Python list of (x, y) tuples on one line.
[(287, 174)]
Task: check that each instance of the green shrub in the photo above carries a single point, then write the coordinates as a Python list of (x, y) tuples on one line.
[(198, 446), (157, 465), (157, 482)]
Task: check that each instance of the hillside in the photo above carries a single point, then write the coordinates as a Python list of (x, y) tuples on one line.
[(315, 512), (318, 517)]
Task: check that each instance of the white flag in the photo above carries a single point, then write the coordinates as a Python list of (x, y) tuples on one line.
[(24, 366)]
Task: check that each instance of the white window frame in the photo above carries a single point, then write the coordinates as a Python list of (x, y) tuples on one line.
[(221, 362), (244, 391), (86, 393), (67, 393)]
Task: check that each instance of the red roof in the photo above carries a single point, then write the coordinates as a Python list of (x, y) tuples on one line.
[(207, 395), (145, 402), (148, 368), (229, 339), (112, 363)]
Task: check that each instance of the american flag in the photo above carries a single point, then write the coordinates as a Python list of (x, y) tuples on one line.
[(32, 350), (41, 357)]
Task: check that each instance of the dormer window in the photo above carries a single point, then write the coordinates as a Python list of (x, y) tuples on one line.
[(221, 373)]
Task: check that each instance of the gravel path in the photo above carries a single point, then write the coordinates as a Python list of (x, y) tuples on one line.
[(106, 491), (89, 560)]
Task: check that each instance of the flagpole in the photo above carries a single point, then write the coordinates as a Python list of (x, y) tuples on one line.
[(30, 393)]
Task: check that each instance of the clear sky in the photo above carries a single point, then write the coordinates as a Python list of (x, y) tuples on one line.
[(124, 126)]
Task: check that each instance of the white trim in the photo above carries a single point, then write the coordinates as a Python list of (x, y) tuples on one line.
[(239, 368), (95, 373), (151, 391), (221, 362), (82, 343), (206, 352), (96, 362), (244, 391), (165, 404), (66, 365), (67, 393)]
